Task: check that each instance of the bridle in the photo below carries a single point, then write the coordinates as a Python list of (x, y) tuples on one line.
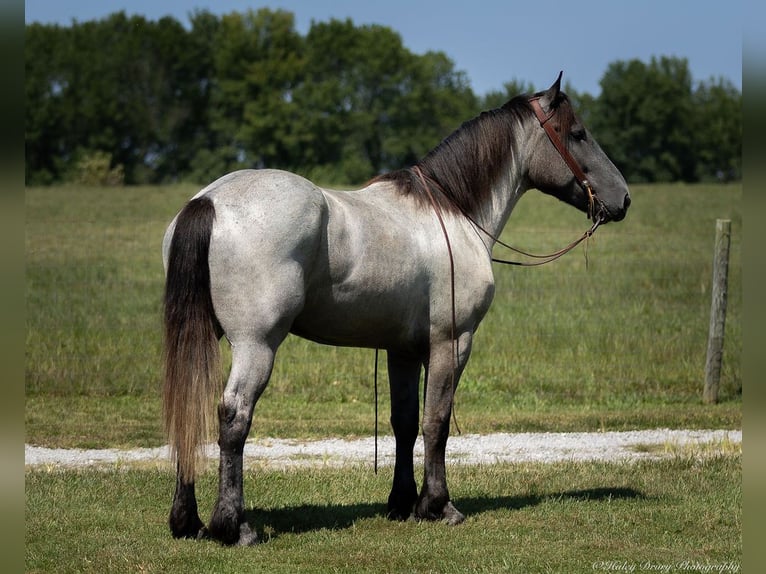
[(594, 214), (597, 216), (571, 162)]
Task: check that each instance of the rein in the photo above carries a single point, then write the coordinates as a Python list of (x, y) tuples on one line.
[(438, 211), (543, 259), (453, 326)]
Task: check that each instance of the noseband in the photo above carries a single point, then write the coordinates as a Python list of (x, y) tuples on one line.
[(571, 162)]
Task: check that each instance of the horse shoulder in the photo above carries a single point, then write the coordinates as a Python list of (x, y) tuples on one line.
[(474, 276)]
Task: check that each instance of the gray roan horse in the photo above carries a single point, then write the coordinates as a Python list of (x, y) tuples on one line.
[(402, 265)]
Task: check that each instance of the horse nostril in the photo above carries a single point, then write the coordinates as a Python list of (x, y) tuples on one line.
[(626, 203)]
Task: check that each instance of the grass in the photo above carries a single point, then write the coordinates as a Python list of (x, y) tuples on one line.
[(619, 344), (693, 450), (562, 517)]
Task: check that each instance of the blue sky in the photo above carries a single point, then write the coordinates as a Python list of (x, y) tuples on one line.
[(495, 41)]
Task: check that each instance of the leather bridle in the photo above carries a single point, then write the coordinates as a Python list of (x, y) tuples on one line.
[(561, 147)]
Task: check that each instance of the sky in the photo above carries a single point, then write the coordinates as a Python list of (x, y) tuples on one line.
[(496, 41)]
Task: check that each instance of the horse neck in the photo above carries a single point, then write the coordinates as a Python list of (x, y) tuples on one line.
[(481, 166), (506, 190)]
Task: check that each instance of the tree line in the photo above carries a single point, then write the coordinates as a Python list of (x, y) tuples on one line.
[(131, 100)]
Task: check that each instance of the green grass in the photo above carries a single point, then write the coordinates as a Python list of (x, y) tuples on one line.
[(619, 344), (563, 517)]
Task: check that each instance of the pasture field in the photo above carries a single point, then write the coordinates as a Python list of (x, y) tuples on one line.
[(616, 344), (682, 514)]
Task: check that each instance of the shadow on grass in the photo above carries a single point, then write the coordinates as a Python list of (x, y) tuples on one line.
[(478, 505), (270, 523)]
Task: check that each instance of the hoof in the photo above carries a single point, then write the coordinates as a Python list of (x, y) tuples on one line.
[(398, 515), (401, 504), (230, 529), (241, 535), (448, 514), (247, 536), (452, 515), (186, 526)]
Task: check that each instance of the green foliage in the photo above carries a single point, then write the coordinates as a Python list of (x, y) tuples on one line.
[(125, 86), (617, 345), (657, 127), (240, 90), (95, 168), (532, 517), (718, 131), (343, 101)]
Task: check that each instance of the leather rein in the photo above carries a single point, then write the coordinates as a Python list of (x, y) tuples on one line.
[(582, 180)]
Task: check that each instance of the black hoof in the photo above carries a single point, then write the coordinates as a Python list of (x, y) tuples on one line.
[(186, 526), (231, 533), (398, 515), (401, 507)]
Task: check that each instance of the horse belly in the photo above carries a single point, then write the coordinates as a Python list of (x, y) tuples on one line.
[(369, 285), (349, 315)]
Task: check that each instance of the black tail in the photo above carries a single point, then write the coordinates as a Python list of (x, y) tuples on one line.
[(192, 355)]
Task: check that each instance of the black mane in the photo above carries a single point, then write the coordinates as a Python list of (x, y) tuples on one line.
[(466, 164)]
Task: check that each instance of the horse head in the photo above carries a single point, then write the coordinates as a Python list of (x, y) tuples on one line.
[(565, 160)]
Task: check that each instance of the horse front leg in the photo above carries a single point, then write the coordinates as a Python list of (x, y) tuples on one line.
[(404, 378), (434, 501), (250, 372)]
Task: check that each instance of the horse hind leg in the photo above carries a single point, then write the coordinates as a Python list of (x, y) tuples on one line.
[(184, 518), (252, 363)]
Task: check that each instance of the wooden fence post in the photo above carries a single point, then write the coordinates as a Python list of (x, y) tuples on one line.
[(717, 311)]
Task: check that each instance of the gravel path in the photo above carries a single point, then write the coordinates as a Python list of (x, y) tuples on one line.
[(465, 449)]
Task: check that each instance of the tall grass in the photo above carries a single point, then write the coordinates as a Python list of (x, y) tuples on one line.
[(618, 342)]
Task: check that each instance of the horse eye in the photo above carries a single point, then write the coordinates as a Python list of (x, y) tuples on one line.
[(578, 134)]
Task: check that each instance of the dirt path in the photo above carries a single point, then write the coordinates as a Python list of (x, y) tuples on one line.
[(462, 449)]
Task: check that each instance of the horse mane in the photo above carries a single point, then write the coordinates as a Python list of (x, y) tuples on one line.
[(466, 164)]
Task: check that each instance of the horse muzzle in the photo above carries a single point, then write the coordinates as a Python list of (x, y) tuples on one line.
[(607, 213)]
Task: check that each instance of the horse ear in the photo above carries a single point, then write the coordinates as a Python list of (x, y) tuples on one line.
[(550, 97)]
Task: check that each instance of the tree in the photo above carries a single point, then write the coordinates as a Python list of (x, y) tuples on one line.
[(370, 105), (128, 87), (644, 119), (718, 131), (340, 104), (44, 84), (656, 126), (255, 63)]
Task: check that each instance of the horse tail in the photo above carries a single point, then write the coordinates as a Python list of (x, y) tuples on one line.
[(191, 355)]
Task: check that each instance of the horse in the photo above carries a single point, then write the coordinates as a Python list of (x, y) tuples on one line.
[(402, 265)]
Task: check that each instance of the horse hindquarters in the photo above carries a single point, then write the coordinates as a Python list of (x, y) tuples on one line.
[(261, 248)]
